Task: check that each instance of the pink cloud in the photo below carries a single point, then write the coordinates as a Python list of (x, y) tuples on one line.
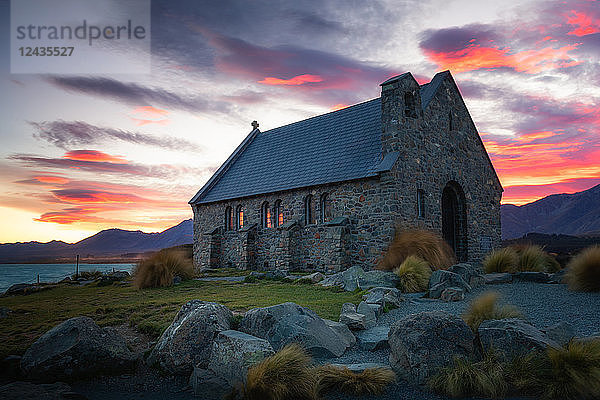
[(297, 80), (584, 23)]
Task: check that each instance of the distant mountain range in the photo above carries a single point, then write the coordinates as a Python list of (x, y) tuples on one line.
[(118, 244), (570, 214)]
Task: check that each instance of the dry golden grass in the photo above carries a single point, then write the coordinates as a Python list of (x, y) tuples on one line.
[(159, 269), (569, 373), (505, 259), (414, 274), (466, 378), (484, 308), (533, 258), (286, 375), (372, 381), (584, 270), (426, 245)]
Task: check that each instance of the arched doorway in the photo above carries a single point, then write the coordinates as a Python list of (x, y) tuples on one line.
[(454, 220)]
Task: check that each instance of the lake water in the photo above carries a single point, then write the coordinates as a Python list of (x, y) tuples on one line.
[(27, 273)]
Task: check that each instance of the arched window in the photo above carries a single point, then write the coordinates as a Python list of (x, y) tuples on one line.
[(240, 217), (450, 121), (324, 208), (410, 109), (421, 203), (278, 213), (309, 210), (229, 219), (265, 215)]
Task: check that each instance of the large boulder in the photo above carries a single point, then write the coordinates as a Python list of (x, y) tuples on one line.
[(347, 280), (441, 280), (497, 278), (512, 337), (373, 339), (233, 353), (370, 316), (315, 277), (343, 332), (561, 333), (355, 277), (389, 296), (532, 276), (471, 274), (77, 348), (287, 323), (376, 278), (452, 294), (187, 342), (421, 344)]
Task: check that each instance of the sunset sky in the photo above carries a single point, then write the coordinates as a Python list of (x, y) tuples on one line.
[(81, 153)]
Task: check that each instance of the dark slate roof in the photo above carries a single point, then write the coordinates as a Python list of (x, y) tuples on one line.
[(334, 147)]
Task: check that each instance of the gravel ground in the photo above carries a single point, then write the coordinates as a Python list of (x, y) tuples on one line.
[(542, 304)]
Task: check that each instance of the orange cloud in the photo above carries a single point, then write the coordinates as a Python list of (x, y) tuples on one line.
[(476, 57), (85, 196), (94, 156), (297, 80), (585, 25), (51, 179), (339, 106)]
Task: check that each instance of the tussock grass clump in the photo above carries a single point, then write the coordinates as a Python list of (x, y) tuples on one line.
[(505, 259), (287, 374), (484, 308), (533, 258), (371, 381), (552, 265), (569, 373), (584, 270), (466, 378), (159, 269), (424, 244), (414, 274)]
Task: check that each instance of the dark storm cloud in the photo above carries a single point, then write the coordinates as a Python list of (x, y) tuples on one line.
[(125, 168), (456, 38), (134, 94), (66, 134)]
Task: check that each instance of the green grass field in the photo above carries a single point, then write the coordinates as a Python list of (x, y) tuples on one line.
[(150, 310)]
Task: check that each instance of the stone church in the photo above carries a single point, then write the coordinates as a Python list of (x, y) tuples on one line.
[(328, 192)]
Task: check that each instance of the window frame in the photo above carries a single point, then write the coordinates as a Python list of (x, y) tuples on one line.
[(228, 218), (265, 215), (239, 217), (309, 210), (323, 206), (420, 203), (278, 213)]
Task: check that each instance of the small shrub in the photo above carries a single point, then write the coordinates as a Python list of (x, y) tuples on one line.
[(426, 245), (287, 374), (533, 258), (502, 260), (484, 308), (466, 378), (250, 279), (569, 373), (584, 270), (235, 321), (90, 275), (371, 381), (414, 274), (159, 269)]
